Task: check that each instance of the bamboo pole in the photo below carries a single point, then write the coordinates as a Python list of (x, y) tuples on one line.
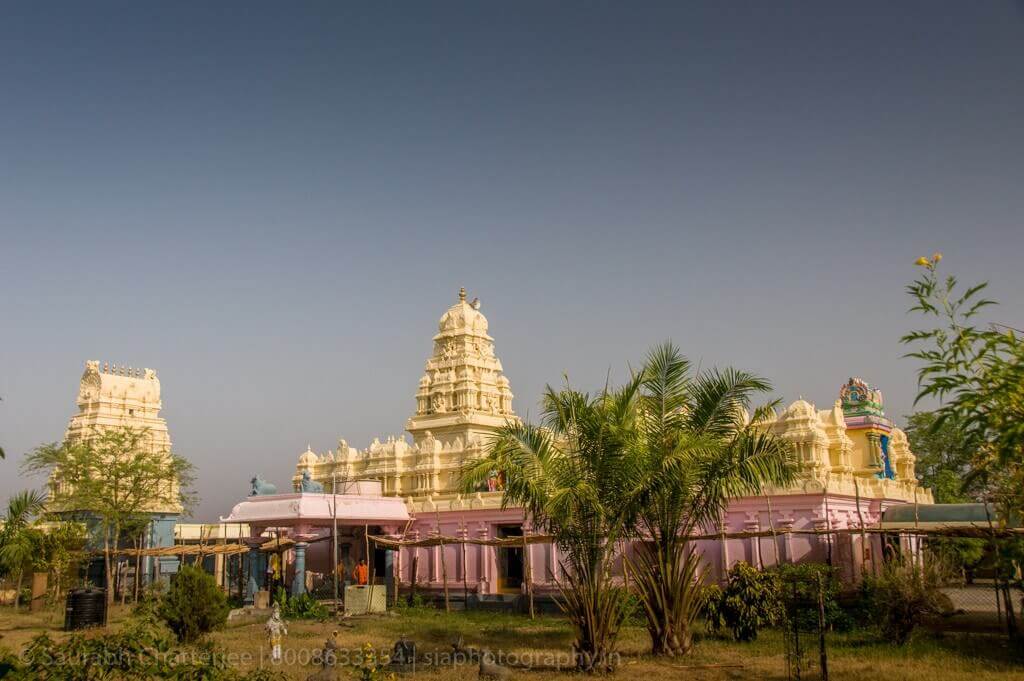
[(822, 650), (241, 568), (369, 567), (415, 572), (828, 525), (771, 526), (398, 561), (863, 534), (917, 537), (529, 574), (444, 577), (465, 571), (444, 563)]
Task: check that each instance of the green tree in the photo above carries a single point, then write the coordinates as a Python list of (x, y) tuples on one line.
[(977, 373), (944, 457), (60, 551), (194, 605), (570, 474), (694, 447), (113, 478), (19, 540)]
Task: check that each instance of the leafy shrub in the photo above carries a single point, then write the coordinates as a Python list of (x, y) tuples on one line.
[(963, 555), (751, 600), (801, 580), (900, 599), (303, 607), (194, 605), (414, 601), (714, 615)]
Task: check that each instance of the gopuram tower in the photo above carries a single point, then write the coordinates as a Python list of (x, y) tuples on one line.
[(115, 397), (463, 398)]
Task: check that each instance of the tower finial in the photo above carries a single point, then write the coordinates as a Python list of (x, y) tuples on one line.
[(462, 294)]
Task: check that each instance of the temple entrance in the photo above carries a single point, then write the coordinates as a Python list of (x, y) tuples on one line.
[(510, 561)]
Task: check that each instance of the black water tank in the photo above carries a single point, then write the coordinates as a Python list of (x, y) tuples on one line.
[(85, 608)]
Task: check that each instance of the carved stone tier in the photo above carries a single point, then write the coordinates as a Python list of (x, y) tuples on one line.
[(462, 399)]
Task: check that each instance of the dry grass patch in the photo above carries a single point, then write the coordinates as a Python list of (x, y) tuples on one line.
[(854, 657)]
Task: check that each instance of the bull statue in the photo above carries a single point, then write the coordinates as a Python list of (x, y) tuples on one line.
[(261, 487), (309, 485)]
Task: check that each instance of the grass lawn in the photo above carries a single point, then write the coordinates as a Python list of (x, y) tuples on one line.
[(855, 655)]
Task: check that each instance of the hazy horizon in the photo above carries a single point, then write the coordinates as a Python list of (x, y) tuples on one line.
[(272, 206)]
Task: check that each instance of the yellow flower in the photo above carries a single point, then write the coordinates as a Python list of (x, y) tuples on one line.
[(936, 257), (922, 261)]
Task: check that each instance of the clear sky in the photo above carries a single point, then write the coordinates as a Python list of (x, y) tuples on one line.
[(272, 204)]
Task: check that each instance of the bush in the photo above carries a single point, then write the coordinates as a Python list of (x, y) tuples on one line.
[(303, 607), (805, 577), (751, 600), (714, 615), (900, 599), (413, 601), (194, 605)]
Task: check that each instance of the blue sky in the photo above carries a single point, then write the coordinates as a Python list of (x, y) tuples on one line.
[(273, 204)]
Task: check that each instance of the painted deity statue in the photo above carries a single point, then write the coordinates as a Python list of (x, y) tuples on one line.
[(276, 631)]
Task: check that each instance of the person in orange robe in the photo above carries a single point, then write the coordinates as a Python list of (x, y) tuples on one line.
[(361, 572)]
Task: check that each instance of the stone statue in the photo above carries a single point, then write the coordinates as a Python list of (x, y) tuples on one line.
[(403, 656), (309, 485), (261, 487)]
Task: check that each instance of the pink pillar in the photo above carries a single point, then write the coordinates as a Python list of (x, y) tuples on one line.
[(754, 525), (483, 566)]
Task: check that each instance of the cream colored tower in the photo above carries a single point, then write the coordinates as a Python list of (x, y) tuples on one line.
[(120, 397), (463, 398)]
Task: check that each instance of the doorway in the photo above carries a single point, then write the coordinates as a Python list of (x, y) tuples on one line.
[(510, 561)]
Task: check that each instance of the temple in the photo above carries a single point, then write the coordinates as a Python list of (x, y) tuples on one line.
[(125, 397), (854, 464)]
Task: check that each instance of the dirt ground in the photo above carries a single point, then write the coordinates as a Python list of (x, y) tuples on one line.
[(545, 642)]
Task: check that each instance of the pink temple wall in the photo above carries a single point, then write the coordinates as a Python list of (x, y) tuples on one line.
[(751, 514)]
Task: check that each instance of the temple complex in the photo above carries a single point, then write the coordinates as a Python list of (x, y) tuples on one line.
[(855, 464)]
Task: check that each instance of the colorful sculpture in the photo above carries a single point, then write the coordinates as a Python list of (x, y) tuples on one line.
[(276, 631)]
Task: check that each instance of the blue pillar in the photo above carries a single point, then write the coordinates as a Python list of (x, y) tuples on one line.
[(254, 569), (161, 534), (389, 575), (299, 581)]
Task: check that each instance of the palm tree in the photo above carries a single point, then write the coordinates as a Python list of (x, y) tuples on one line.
[(567, 474), (18, 540), (695, 448)]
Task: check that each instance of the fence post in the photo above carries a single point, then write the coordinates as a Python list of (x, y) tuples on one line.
[(465, 569), (821, 627)]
